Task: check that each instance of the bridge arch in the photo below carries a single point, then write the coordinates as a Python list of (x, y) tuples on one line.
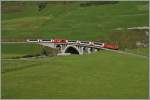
[(72, 50)]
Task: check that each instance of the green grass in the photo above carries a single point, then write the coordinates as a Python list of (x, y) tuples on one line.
[(13, 50), (99, 75), (140, 51), (72, 21)]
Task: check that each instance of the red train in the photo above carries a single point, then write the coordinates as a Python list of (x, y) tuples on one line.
[(59, 41), (111, 46)]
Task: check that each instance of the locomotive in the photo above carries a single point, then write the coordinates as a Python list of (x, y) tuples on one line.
[(111, 46)]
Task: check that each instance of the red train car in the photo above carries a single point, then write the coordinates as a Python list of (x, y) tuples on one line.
[(111, 46), (59, 41)]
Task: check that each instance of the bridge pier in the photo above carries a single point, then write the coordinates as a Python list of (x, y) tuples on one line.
[(89, 50), (95, 50), (81, 50)]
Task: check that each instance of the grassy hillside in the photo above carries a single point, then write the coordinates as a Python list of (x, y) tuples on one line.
[(12, 50), (102, 74), (140, 51), (70, 21), (22, 49), (99, 75)]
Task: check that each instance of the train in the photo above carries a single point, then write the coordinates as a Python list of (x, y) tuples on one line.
[(113, 46)]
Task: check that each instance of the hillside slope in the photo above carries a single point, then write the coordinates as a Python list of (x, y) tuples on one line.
[(103, 74), (69, 21)]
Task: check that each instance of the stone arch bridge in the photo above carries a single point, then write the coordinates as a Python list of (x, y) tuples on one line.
[(71, 46)]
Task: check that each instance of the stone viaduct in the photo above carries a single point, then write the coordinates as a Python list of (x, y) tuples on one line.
[(71, 46)]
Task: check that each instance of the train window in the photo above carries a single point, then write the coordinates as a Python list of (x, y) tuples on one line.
[(45, 40), (84, 42), (98, 43), (63, 40), (33, 40), (71, 41)]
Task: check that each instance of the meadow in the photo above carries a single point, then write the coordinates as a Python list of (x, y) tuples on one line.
[(19, 49), (99, 75), (70, 21)]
